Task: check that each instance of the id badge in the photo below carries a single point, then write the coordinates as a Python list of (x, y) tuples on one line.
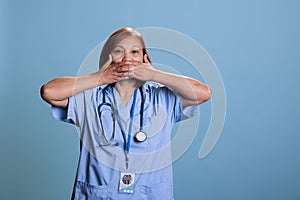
[(126, 184)]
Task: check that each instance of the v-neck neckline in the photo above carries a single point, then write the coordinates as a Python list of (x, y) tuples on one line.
[(124, 111), (119, 102)]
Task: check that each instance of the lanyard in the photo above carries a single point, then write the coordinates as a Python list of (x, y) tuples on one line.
[(127, 142), (127, 147)]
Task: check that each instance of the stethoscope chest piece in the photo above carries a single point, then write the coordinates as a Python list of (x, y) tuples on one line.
[(140, 136)]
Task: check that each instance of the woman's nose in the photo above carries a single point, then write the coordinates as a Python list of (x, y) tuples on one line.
[(127, 57)]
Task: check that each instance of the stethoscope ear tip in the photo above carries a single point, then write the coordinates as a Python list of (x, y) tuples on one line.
[(116, 144)]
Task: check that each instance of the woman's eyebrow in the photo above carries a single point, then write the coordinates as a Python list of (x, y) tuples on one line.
[(135, 46), (119, 46)]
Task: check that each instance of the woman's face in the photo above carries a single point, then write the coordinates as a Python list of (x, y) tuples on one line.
[(128, 50)]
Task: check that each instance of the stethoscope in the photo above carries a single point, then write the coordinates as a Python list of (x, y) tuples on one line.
[(140, 136)]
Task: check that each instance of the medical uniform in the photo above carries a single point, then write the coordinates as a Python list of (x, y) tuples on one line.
[(100, 165)]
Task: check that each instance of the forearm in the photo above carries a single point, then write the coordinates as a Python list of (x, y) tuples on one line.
[(192, 91), (60, 89)]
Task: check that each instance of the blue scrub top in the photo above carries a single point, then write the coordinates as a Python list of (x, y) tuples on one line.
[(99, 168)]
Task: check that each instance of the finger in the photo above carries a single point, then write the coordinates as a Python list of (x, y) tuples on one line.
[(124, 68), (125, 77), (118, 73), (119, 68), (146, 59), (131, 74), (117, 64), (108, 62), (136, 63)]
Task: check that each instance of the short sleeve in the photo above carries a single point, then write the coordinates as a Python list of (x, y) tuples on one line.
[(189, 112), (173, 105), (66, 114), (81, 107)]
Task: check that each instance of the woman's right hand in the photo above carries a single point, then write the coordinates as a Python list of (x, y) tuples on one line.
[(111, 72), (57, 91)]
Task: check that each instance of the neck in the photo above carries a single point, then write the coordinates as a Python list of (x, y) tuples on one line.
[(125, 89)]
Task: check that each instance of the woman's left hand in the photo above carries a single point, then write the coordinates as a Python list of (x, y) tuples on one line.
[(142, 71), (192, 91)]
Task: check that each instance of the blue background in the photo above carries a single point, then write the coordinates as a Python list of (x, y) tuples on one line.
[(255, 45)]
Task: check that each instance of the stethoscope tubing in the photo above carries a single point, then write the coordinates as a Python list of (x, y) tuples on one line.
[(114, 116)]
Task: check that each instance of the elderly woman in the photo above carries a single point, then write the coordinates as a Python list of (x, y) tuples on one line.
[(125, 124)]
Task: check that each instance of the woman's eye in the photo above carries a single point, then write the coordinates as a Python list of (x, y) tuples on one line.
[(118, 51), (135, 51)]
